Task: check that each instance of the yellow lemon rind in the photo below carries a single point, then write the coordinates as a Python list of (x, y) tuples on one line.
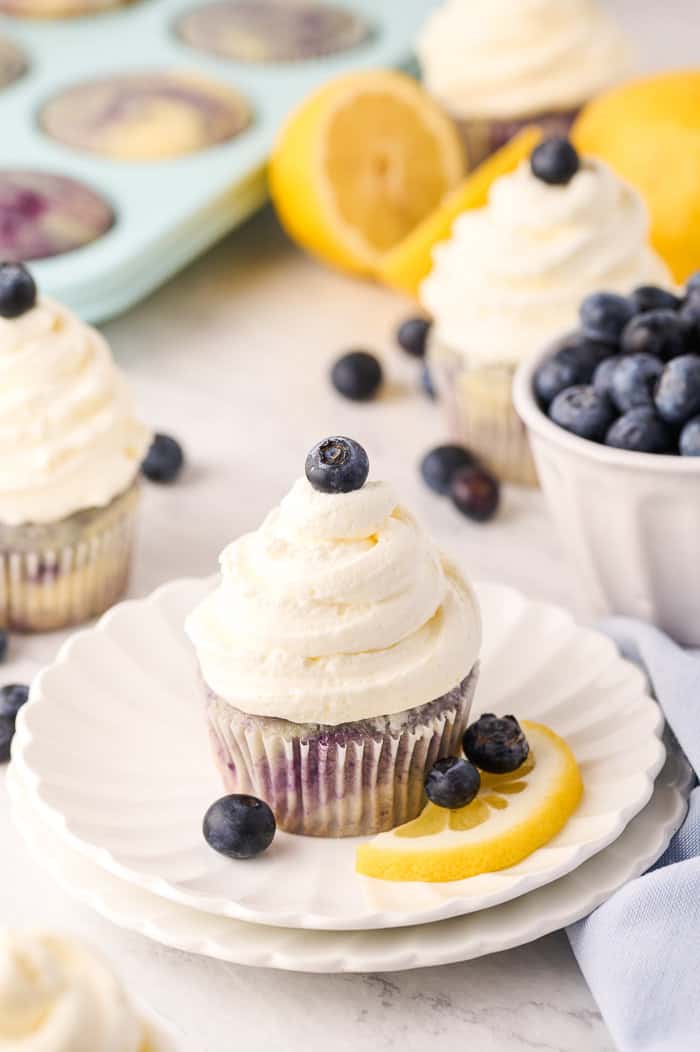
[(299, 187), (404, 267), (460, 862)]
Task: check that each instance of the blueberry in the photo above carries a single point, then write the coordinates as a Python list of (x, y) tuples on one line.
[(475, 493), (634, 380), (7, 733), (496, 744), (574, 362), (239, 826), (642, 431), (17, 290), (412, 336), (650, 297), (689, 315), (452, 783), (164, 459), (12, 697), (690, 438), (357, 375), (337, 465), (693, 283), (678, 392), (439, 466), (426, 383), (659, 332), (604, 316), (602, 377), (4, 644), (582, 411), (554, 161)]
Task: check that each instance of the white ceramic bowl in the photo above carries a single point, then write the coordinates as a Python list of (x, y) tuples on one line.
[(629, 521)]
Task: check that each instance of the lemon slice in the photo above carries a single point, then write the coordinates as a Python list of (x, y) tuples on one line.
[(359, 164), (512, 816), (404, 267)]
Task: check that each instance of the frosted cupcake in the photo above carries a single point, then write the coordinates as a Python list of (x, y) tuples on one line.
[(498, 66), (57, 996), (339, 654), (70, 452), (511, 279)]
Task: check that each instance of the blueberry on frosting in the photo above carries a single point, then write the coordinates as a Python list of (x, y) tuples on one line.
[(555, 161), (17, 290), (337, 465)]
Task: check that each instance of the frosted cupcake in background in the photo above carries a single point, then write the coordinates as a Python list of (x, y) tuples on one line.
[(339, 654), (511, 279), (499, 65), (57, 996), (70, 452)]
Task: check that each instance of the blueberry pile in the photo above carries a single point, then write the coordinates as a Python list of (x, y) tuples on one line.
[(12, 697), (452, 471), (492, 744), (629, 377)]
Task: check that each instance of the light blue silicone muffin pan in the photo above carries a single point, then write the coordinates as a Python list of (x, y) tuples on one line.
[(167, 211)]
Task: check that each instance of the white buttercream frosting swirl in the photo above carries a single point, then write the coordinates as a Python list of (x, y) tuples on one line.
[(517, 58), (56, 996), (513, 274), (337, 609), (69, 439)]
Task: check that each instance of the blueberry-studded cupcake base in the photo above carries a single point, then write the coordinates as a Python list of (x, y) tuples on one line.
[(483, 137), (59, 574), (481, 415), (351, 780)]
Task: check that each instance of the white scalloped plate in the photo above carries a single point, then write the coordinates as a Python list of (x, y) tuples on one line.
[(113, 748), (461, 939)]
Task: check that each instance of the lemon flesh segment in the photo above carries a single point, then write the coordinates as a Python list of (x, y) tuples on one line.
[(359, 164), (512, 816), (404, 266)]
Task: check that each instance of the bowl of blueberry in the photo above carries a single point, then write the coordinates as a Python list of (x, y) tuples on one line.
[(613, 416)]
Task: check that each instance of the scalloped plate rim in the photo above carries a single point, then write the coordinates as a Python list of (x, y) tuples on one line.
[(344, 956), (309, 919)]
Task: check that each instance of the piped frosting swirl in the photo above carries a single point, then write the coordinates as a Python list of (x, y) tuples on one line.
[(56, 996), (337, 609), (69, 438), (513, 274), (517, 58)]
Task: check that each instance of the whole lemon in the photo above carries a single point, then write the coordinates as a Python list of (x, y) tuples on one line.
[(649, 131)]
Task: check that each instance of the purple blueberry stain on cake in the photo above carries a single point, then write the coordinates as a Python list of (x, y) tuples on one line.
[(273, 30), (43, 214), (148, 116)]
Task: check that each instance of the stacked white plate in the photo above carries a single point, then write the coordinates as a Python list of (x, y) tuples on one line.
[(111, 776)]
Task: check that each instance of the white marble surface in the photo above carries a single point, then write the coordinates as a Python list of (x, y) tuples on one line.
[(232, 357)]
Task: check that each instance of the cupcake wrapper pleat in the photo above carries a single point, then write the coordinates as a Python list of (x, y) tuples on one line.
[(351, 780), (480, 413), (59, 574)]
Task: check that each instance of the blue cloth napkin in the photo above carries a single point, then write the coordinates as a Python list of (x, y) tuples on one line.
[(640, 950)]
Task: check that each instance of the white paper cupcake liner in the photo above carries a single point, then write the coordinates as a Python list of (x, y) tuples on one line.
[(351, 780), (478, 402), (59, 574)]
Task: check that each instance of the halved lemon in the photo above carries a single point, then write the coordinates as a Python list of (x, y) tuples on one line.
[(359, 164), (404, 267), (512, 816)]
